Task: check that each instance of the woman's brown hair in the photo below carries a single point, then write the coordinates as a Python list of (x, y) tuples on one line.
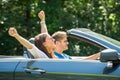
[(39, 40)]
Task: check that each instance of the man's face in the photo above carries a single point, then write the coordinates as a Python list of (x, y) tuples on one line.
[(64, 44)]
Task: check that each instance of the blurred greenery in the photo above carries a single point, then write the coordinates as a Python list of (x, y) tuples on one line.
[(101, 16)]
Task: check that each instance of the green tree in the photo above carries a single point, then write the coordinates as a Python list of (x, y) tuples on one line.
[(101, 16)]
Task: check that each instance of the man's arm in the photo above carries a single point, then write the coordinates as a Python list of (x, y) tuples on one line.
[(93, 57)]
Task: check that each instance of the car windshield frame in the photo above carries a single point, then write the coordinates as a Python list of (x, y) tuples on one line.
[(109, 39), (100, 36)]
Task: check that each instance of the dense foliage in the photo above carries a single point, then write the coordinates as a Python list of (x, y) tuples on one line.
[(101, 16)]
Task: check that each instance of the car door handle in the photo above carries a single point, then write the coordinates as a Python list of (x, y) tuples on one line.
[(34, 71)]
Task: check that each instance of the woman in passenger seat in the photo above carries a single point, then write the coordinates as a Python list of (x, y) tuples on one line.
[(44, 44)]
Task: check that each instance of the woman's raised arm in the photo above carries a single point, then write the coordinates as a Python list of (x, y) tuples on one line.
[(41, 15), (13, 32)]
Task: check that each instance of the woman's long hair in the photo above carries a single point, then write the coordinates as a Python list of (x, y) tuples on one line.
[(39, 40)]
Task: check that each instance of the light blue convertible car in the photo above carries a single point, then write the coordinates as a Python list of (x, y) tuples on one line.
[(107, 67)]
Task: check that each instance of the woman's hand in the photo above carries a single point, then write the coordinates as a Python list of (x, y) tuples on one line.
[(12, 32), (41, 15)]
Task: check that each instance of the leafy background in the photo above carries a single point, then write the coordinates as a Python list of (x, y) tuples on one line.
[(101, 16)]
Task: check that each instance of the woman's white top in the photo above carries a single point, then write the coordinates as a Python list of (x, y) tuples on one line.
[(40, 53)]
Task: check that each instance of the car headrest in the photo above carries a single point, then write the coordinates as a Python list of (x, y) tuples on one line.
[(32, 40)]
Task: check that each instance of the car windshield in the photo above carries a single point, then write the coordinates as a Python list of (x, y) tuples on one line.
[(100, 36)]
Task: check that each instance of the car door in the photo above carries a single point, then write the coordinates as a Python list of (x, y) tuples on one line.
[(25, 72), (58, 69), (14, 68)]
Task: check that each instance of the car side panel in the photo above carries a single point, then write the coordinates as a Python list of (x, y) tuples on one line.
[(56, 69), (64, 69)]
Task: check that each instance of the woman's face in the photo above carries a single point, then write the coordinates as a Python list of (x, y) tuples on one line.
[(49, 42)]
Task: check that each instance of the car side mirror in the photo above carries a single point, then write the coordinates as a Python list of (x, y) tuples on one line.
[(109, 55)]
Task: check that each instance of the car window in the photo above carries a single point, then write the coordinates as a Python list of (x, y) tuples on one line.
[(80, 47)]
